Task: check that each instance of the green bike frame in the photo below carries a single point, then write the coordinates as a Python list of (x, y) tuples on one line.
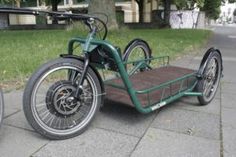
[(90, 43)]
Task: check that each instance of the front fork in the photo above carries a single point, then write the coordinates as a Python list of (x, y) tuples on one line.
[(79, 89)]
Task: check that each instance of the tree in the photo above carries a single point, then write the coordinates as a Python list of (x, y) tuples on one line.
[(232, 1), (212, 8), (107, 7), (181, 4), (54, 4), (188, 4), (140, 8), (167, 9), (15, 3), (200, 3)]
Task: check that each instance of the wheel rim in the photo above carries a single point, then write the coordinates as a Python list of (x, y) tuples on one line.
[(211, 79), (58, 112), (137, 53)]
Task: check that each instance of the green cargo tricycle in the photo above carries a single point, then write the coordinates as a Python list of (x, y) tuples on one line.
[(62, 96)]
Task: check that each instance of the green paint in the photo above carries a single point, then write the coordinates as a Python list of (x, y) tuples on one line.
[(91, 43)]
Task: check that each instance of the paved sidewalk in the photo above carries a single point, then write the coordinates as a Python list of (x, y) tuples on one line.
[(181, 129)]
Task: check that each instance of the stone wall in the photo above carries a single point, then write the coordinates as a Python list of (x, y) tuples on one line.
[(187, 19), (181, 19), (22, 19)]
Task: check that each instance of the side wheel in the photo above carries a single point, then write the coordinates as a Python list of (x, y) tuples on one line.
[(1, 107), (49, 103), (210, 80), (136, 50)]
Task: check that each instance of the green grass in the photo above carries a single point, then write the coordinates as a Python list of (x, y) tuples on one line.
[(23, 51)]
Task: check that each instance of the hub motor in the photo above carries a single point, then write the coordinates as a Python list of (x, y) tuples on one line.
[(60, 99)]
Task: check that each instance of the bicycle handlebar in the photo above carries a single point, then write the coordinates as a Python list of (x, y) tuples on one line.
[(57, 15)]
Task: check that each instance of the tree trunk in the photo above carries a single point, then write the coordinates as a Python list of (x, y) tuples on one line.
[(18, 6), (167, 9), (17, 3), (107, 7), (140, 8), (54, 8)]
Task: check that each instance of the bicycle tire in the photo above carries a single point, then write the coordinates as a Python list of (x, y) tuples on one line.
[(70, 112), (209, 82), (130, 55)]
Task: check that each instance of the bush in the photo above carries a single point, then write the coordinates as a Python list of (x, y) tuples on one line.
[(212, 8), (41, 20)]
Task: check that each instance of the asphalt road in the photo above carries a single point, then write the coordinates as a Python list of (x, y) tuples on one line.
[(181, 129)]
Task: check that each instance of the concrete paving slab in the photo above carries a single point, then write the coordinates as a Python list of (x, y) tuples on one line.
[(12, 102), (183, 62), (188, 122), (92, 143), (194, 64), (123, 119), (191, 61), (10, 111), (218, 92), (160, 143), (229, 118), (180, 63), (229, 55), (228, 88), (228, 100), (192, 104), (14, 99), (18, 120), (229, 72), (229, 142), (16, 142), (187, 62)]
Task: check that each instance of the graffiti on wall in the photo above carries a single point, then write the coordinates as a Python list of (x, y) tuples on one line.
[(183, 19)]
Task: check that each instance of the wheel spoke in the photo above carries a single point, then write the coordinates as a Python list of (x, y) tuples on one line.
[(44, 116), (210, 80), (43, 104), (52, 104), (209, 88)]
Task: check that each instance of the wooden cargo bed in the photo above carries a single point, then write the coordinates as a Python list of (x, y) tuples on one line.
[(148, 79)]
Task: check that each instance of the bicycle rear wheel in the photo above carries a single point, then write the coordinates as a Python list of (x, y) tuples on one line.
[(135, 51), (209, 83)]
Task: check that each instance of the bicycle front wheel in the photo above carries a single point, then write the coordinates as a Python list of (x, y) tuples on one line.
[(49, 103)]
